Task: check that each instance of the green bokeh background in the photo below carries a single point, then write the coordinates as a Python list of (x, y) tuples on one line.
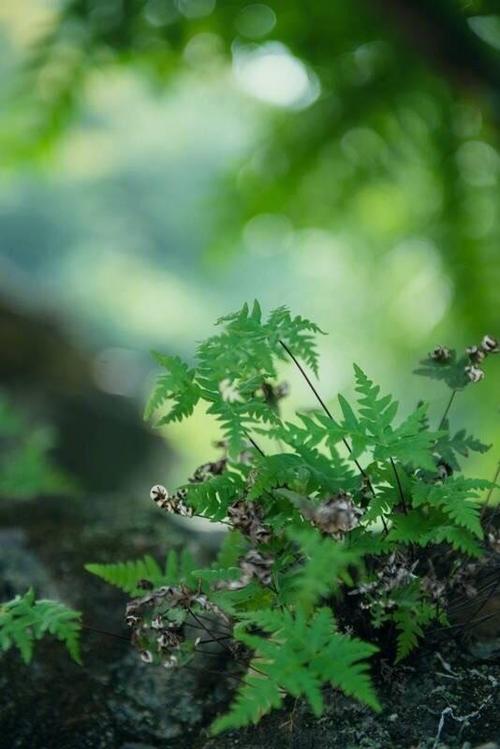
[(164, 161)]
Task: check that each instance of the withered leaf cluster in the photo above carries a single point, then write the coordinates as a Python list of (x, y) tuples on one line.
[(246, 517), (157, 621), (335, 516)]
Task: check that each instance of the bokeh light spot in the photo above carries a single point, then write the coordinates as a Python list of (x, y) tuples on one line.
[(271, 73), (255, 21)]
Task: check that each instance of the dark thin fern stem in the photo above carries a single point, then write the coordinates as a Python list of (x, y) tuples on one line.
[(251, 439), (466, 602), (329, 414), (208, 631), (105, 632), (210, 619), (400, 488), (322, 403), (489, 495), (226, 648), (198, 627), (447, 409), (307, 378), (460, 625), (481, 606)]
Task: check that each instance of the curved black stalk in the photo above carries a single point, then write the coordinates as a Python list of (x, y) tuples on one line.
[(447, 409), (329, 414), (400, 488)]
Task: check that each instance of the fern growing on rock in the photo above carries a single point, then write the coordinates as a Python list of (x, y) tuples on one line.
[(26, 471), (348, 535), (24, 619)]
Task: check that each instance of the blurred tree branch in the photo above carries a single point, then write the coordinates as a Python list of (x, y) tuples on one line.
[(441, 34)]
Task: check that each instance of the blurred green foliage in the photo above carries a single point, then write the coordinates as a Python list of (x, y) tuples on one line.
[(26, 469), (344, 157), (400, 134)]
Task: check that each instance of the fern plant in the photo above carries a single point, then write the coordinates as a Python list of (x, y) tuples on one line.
[(348, 534), (25, 619), (26, 471)]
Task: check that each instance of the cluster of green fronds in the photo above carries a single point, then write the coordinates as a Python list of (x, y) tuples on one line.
[(26, 469), (231, 369), (25, 619), (343, 535)]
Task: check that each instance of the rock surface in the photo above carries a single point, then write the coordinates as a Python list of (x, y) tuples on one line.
[(447, 697)]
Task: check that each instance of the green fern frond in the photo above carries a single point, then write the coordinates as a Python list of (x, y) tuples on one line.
[(458, 538), (460, 443), (410, 442), (297, 333), (412, 614), (381, 503), (451, 371), (409, 632), (127, 575), (425, 526), (178, 385), (377, 413), (257, 697), (273, 471), (231, 550), (326, 565), (211, 498), (299, 656), (25, 620), (457, 497)]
